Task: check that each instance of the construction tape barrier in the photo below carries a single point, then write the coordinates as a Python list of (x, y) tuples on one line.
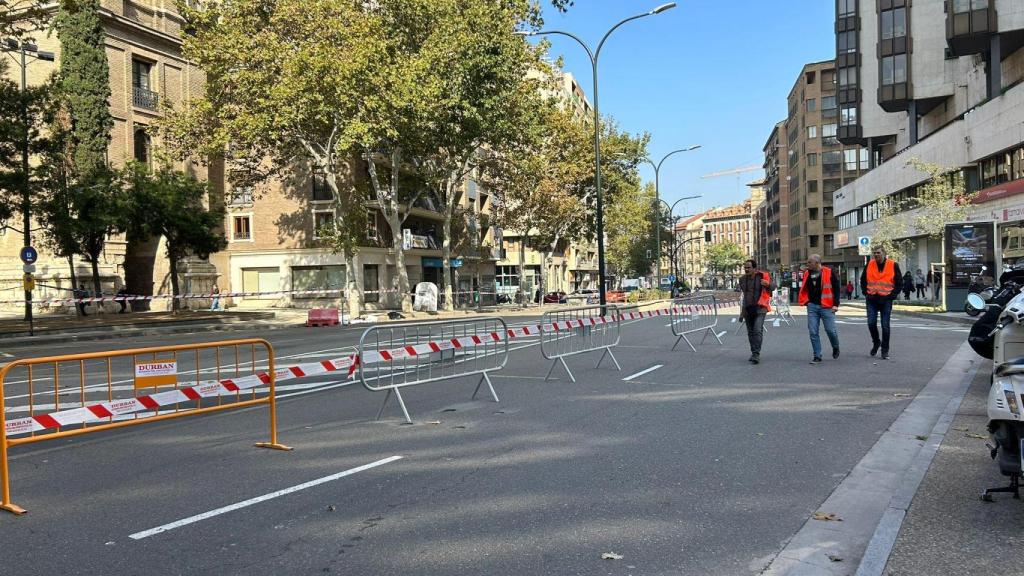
[(214, 388)]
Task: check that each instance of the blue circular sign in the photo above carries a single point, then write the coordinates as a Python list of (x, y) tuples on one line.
[(29, 255)]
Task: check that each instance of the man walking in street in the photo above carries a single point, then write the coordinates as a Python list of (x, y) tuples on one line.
[(819, 292), (880, 282), (757, 287)]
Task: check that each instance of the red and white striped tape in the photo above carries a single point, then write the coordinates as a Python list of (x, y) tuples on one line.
[(211, 389)]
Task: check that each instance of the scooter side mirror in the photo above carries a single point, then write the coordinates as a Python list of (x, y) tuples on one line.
[(975, 301)]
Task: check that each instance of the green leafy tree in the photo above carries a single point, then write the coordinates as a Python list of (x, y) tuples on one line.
[(95, 202), (20, 19), (939, 200), (293, 87), (461, 91), (178, 207), (627, 226), (724, 258)]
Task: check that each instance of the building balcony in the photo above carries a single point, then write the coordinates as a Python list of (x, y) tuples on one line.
[(144, 98)]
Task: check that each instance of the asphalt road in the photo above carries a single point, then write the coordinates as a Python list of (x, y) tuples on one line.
[(704, 465)]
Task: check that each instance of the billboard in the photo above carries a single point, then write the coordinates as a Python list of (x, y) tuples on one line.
[(968, 248)]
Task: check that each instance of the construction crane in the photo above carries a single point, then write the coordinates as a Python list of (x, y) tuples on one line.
[(736, 171), (751, 168)]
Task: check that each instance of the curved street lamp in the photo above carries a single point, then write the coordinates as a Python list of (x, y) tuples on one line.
[(594, 56), (657, 197)]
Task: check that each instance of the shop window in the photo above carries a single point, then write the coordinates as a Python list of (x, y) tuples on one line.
[(371, 283), (309, 278)]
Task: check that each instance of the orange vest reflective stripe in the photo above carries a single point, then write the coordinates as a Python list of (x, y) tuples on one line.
[(881, 283), (764, 301), (828, 299)]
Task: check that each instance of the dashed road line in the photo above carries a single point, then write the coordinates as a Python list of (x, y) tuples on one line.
[(642, 372)]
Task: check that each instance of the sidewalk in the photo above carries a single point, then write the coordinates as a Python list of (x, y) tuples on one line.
[(56, 329)]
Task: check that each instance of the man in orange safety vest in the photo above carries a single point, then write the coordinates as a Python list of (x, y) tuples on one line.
[(819, 292), (757, 287), (880, 282)]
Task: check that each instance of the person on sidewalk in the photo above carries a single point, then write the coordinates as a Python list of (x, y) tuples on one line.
[(756, 286), (216, 299), (819, 293), (849, 289), (919, 284), (79, 295), (880, 282), (122, 294), (908, 284)]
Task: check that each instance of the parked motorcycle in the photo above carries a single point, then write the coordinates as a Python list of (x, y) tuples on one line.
[(999, 335), (984, 292)]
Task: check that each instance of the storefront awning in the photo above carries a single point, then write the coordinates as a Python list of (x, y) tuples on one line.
[(999, 191)]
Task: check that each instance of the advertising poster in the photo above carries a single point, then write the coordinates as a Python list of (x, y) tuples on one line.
[(968, 248)]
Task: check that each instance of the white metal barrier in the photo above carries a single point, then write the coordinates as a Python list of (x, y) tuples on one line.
[(780, 306), (693, 314), (570, 331), (393, 356)]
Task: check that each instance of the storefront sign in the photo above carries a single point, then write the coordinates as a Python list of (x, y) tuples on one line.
[(156, 373), (429, 262), (840, 240), (968, 248)]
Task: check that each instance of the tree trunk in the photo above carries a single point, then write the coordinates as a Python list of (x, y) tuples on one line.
[(74, 278), (522, 272), (353, 295), (403, 275), (94, 261), (173, 262), (446, 265)]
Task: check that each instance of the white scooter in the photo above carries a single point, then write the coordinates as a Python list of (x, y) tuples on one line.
[(1006, 392)]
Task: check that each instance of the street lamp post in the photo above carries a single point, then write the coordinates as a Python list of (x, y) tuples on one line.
[(657, 197), (594, 56), (26, 48), (657, 202)]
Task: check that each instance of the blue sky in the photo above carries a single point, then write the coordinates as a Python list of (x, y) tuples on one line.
[(708, 72)]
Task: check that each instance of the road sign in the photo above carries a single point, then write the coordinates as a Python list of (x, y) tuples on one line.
[(29, 255), (671, 277), (30, 283), (864, 245), (28, 268)]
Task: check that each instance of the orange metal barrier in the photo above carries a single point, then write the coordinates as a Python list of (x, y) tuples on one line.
[(68, 395)]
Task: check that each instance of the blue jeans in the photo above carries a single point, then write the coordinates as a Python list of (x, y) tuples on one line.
[(874, 307), (826, 316)]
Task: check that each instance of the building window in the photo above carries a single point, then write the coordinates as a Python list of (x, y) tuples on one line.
[(828, 79), (894, 23), (812, 131), (143, 144), (848, 116), (850, 160), (864, 159), (961, 6), (323, 220), (847, 42), (812, 159), (241, 228), (143, 95), (309, 278), (810, 77), (321, 191), (812, 186), (846, 8), (371, 225), (812, 104), (814, 241), (894, 69), (371, 283), (828, 102), (828, 130), (241, 195), (812, 213), (848, 77)]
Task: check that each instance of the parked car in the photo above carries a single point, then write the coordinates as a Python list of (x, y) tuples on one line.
[(555, 298)]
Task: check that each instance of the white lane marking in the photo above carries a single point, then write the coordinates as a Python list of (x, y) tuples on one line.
[(258, 499), (642, 372), (6, 355)]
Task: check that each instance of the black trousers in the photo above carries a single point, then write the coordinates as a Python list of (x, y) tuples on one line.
[(754, 317)]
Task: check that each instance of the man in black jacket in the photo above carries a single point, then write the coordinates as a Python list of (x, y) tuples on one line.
[(880, 283)]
